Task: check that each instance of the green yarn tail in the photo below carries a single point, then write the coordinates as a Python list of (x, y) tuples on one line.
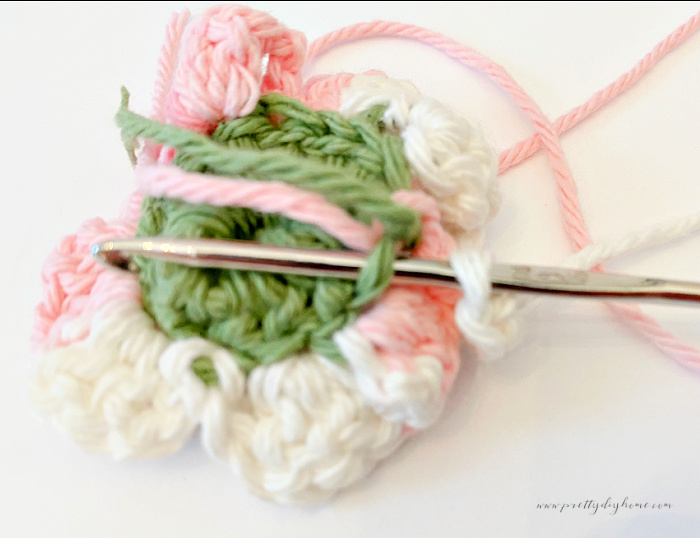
[(343, 186)]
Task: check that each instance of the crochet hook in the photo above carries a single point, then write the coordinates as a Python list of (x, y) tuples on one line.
[(248, 256)]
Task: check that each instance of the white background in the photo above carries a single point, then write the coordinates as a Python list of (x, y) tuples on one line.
[(583, 410)]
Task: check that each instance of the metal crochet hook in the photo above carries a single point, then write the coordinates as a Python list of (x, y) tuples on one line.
[(249, 256)]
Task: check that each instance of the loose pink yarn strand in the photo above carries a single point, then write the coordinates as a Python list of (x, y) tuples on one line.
[(528, 147), (547, 135), (265, 196), (166, 63)]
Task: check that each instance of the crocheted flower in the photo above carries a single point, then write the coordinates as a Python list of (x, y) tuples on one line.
[(301, 384)]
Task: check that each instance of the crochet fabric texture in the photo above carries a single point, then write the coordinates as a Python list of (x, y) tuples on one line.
[(301, 384)]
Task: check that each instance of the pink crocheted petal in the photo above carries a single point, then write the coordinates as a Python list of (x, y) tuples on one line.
[(408, 322), (70, 276), (413, 321), (219, 73)]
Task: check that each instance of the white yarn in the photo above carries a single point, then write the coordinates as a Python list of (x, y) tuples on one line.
[(308, 432), (107, 394), (414, 398), (297, 430), (367, 91), (487, 319), (210, 407), (657, 234), (449, 157), (492, 326), (596, 253)]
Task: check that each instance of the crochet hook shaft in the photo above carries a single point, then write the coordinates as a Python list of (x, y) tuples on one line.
[(247, 256)]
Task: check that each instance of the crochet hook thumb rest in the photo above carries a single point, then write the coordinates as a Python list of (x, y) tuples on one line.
[(247, 256)]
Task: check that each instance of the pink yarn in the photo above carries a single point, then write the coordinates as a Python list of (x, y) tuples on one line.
[(408, 322), (219, 73), (435, 242), (304, 206), (547, 136), (164, 80), (166, 63), (528, 147), (265, 196), (76, 285), (322, 92)]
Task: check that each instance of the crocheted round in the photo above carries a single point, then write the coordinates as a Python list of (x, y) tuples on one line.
[(301, 384), (265, 318)]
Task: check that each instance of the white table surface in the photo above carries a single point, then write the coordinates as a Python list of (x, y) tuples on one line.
[(583, 410)]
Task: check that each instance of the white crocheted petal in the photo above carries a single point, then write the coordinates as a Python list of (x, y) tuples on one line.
[(107, 394), (412, 397), (489, 321), (448, 156), (304, 434)]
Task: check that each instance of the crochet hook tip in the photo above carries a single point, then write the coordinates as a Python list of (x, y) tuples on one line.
[(111, 256)]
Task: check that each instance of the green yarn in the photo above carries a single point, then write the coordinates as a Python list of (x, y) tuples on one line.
[(325, 136), (204, 370), (366, 201), (264, 317)]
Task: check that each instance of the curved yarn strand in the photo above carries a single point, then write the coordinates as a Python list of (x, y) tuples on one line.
[(166, 63), (266, 197), (657, 234), (524, 149)]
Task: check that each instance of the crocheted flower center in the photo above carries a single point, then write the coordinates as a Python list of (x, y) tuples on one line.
[(264, 318)]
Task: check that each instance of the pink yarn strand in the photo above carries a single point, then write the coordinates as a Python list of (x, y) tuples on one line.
[(529, 146), (167, 62), (265, 196)]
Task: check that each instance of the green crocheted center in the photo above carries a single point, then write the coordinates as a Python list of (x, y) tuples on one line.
[(263, 317)]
